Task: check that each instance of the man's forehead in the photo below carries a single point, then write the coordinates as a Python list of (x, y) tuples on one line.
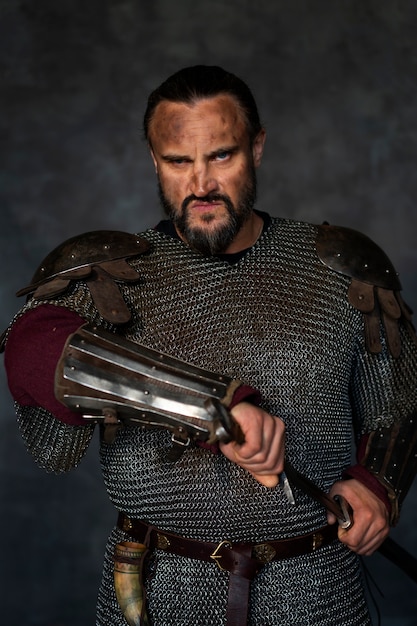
[(222, 111)]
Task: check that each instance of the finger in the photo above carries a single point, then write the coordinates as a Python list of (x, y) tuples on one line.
[(266, 461), (364, 543), (267, 480), (331, 518), (258, 442), (369, 545), (273, 444)]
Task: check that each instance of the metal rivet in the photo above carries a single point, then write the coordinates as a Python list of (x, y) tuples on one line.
[(162, 542)]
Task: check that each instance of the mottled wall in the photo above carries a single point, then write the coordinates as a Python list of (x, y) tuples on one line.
[(336, 86)]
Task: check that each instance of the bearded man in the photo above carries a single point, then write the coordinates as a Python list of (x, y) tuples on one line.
[(307, 332)]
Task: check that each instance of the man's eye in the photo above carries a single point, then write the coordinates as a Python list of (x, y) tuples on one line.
[(180, 162), (222, 156)]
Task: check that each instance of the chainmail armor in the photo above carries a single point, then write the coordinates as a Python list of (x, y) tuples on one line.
[(278, 320)]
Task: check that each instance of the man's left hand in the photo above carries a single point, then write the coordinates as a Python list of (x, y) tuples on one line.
[(371, 520)]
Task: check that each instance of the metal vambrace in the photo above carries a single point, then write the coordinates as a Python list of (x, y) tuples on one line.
[(111, 380), (391, 456)]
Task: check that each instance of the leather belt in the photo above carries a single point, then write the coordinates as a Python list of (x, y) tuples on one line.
[(242, 560)]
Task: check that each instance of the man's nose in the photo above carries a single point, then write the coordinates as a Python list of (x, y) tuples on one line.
[(202, 181)]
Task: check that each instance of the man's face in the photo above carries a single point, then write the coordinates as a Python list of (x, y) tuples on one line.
[(206, 170)]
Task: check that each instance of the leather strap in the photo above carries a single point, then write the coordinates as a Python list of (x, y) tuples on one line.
[(238, 596), (242, 560), (229, 556)]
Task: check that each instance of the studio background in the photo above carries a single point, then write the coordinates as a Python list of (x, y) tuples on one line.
[(336, 86)]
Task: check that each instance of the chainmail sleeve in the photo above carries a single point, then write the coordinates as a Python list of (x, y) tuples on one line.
[(56, 447), (383, 388), (384, 374)]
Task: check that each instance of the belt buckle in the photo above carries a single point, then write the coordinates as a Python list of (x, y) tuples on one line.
[(216, 556)]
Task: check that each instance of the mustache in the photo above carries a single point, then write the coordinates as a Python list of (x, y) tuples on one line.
[(211, 197)]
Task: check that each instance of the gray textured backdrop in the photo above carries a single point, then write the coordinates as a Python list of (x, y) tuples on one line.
[(336, 86)]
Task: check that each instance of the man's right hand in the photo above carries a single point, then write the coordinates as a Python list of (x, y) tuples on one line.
[(262, 452)]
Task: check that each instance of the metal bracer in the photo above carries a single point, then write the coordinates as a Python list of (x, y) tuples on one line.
[(112, 380), (391, 456)]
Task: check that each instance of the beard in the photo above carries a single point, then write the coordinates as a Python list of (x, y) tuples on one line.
[(213, 241)]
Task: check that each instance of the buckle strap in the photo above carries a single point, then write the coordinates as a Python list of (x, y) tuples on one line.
[(238, 597)]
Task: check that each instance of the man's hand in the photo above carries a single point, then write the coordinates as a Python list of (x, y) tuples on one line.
[(371, 521), (262, 453)]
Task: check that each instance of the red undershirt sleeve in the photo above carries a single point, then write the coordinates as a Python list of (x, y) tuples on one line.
[(33, 348)]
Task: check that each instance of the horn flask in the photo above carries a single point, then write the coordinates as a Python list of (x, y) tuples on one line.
[(128, 583)]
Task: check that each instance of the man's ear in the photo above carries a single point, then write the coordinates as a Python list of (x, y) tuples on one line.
[(258, 147), (153, 157)]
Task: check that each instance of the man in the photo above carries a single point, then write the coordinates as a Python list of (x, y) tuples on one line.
[(292, 310)]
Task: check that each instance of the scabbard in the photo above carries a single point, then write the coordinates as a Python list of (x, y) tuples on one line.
[(400, 557)]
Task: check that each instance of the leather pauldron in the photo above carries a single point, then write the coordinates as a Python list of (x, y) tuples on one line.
[(100, 259), (375, 287)]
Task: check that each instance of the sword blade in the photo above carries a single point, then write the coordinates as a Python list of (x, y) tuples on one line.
[(284, 483)]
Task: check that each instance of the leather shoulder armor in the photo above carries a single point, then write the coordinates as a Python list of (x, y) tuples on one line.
[(375, 287), (353, 254), (100, 259)]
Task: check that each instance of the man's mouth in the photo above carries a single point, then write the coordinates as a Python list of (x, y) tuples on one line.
[(204, 205)]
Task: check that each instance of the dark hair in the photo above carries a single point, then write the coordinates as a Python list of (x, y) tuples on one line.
[(204, 81)]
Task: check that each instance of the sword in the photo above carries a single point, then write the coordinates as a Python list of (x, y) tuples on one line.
[(111, 380), (338, 505)]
